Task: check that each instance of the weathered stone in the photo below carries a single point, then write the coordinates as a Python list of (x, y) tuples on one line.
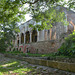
[(63, 66), (38, 62), (52, 64), (71, 67)]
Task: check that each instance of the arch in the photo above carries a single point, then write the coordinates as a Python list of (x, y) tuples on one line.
[(27, 37), (17, 42), (17, 39), (22, 38), (34, 36)]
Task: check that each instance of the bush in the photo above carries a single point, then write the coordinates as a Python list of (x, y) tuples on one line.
[(3, 46), (68, 47)]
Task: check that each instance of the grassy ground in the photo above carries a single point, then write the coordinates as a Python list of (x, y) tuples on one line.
[(39, 55), (31, 55), (14, 68), (10, 66)]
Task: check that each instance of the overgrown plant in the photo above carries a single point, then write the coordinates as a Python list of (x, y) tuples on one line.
[(68, 47)]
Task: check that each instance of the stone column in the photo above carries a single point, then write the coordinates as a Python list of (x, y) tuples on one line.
[(16, 41), (58, 30), (55, 33), (24, 38), (19, 39), (46, 35), (30, 37), (50, 33), (37, 35), (24, 35)]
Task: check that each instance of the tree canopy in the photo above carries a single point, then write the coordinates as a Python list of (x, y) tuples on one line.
[(13, 11)]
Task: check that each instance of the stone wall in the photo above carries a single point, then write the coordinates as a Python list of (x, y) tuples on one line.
[(41, 47), (67, 66)]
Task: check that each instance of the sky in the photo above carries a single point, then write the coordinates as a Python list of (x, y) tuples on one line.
[(28, 15)]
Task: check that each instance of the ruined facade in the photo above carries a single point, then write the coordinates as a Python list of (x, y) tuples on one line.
[(45, 41)]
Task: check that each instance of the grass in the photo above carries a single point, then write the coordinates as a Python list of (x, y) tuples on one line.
[(38, 55), (30, 54), (14, 68)]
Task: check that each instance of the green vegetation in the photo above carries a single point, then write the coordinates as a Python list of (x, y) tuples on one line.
[(14, 52), (38, 55), (12, 12), (29, 54), (14, 67), (10, 15), (48, 55), (68, 47)]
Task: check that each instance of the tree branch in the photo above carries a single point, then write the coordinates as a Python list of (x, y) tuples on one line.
[(31, 2)]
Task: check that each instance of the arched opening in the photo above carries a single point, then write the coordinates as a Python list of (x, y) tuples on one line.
[(27, 37), (17, 39), (34, 36), (22, 38), (17, 42)]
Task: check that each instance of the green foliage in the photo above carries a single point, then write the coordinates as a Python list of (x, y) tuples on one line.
[(68, 47), (10, 11), (13, 11), (7, 35), (15, 67), (3, 46), (48, 18), (71, 4), (10, 14), (1, 73)]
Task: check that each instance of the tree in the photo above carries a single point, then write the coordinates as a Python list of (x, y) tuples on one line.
[(71, 4), (9, 16), (7, 34), (13, 11)]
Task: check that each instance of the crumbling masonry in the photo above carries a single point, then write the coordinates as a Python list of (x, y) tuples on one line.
[(45, 41)]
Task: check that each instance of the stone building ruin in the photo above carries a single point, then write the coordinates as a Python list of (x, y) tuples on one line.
[(44, 41)]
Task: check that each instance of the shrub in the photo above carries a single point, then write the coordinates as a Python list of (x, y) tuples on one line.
[(68, 47)]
